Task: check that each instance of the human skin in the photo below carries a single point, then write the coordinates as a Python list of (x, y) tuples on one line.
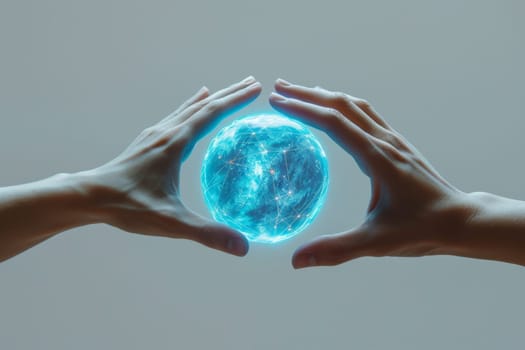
[(413, 210), (138, 191)]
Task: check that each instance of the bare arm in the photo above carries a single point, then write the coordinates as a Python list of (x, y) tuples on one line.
[(31, 213), (413, 211), (495, 230), (138, 191)]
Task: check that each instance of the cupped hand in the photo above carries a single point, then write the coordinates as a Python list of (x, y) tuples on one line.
[(139, 190), (413, 210)]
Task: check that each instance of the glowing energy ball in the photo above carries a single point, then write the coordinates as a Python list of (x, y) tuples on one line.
[(266, 176)]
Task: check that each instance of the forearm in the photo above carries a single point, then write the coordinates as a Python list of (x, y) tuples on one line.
[(495, 230), (34, 212)]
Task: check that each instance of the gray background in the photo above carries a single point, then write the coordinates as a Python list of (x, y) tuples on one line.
[(79, 80)]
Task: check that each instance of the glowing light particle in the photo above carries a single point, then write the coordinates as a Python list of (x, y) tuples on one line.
[(265, 176)]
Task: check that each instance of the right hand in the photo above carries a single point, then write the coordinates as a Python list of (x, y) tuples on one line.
[(413, 210)]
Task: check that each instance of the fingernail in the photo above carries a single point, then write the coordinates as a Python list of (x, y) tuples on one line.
[(277, 98), (248, 80), (236, 247), (305, 261), (283, 82)]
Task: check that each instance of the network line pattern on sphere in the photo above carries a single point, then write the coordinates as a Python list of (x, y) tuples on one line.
[(266, 176)]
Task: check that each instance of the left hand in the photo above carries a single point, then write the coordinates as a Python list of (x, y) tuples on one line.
[(139, 190)]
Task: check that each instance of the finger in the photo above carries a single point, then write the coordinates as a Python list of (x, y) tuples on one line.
[(350, 137), (211, 115), (326, 119), (191, 110), (358, 111), (199, 96), (284, 86), (370, 111), (211, 234), (233, 88), (344, 103), (332, 249)]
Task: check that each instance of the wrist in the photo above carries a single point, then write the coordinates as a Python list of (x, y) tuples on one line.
[(454, 221), (492, 229), (86, 196), (464, 238), (104, 192)]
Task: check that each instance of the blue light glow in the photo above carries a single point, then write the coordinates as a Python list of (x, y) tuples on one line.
[(266, 176)]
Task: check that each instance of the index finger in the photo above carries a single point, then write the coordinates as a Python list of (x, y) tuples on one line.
[(209, 116), (356, 109), (347, 135)]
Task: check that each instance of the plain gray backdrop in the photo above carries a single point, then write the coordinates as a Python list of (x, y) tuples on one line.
[(80, 79)]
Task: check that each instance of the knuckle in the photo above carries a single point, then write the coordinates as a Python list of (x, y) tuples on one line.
[(199, 105), (336, 260), (417, 161), (213, 107), (340, 99), (392, 152), (371, 148), (362, 103), (392, 138), (335, 119), (338, 256), (149, 131), (333, 113), (184, 133), (163, 139), (195, 108)]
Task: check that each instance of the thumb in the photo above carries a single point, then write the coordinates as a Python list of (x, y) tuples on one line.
[(211, 234), (332, 249)]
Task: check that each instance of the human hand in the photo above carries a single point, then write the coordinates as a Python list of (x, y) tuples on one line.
[(138, 191), (413, 210)]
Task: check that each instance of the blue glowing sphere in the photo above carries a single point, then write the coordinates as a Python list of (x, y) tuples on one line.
[(265, 176)]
